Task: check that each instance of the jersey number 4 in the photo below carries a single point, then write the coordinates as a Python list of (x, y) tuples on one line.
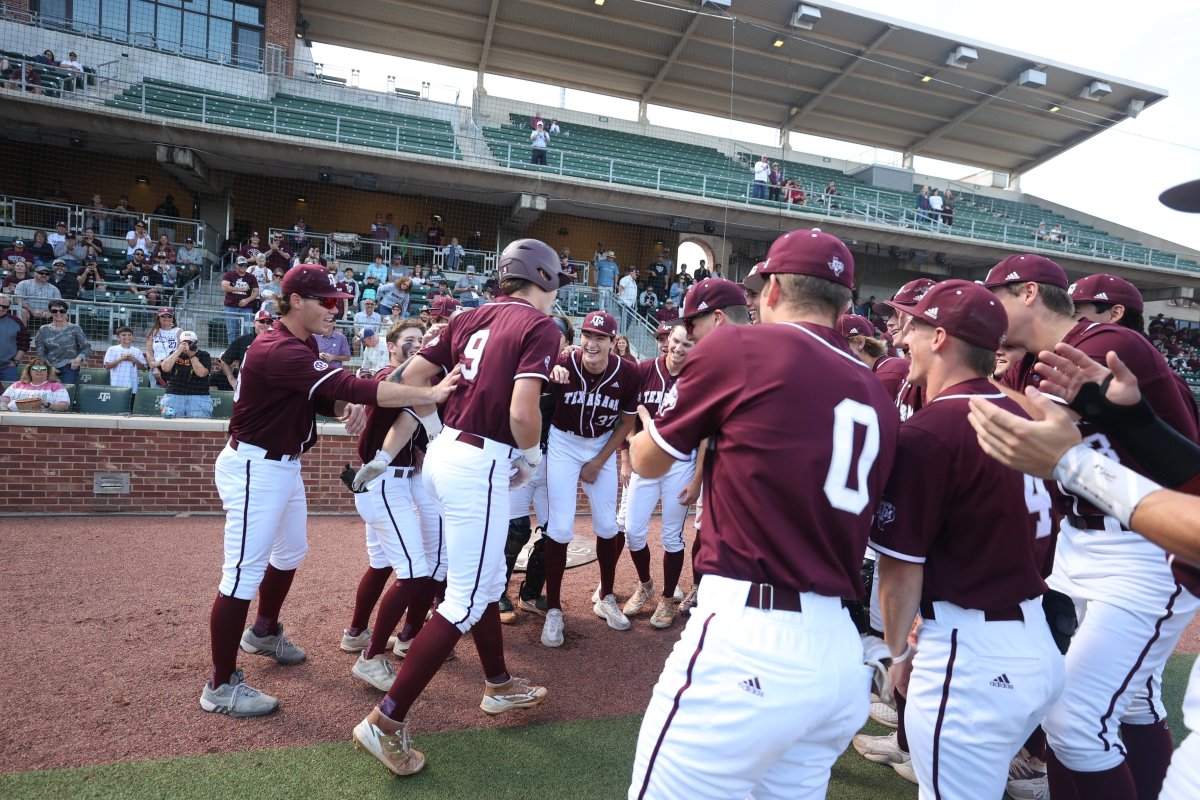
[(473, 354), (847, 416)]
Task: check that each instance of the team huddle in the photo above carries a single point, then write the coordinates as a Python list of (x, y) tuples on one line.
[(1013, 632)]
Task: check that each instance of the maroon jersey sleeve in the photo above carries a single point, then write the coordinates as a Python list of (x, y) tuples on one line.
[(711, 383), (891, 373), (379, 422)]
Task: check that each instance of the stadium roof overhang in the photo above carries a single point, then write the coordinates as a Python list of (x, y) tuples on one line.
[(852, 77)]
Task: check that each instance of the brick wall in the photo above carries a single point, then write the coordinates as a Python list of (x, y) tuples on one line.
[(51, 461), (281, 24)]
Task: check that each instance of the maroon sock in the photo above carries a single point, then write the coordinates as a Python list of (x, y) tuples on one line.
[(1148, 750), (370, 587), (672, 567), (225, 624), (695, 555), (1035, 745), (1061, 779), (641, 562), (901, 733), (426, 656), (1110, 784), (271, 593), (418, 607), (607, 553), (391, 610), (556, 565), (489, 642)]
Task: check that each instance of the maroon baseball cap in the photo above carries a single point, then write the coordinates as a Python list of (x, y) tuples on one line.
[(966, 311), (1026, 268), (663, 330), (166, 312), (709, 295), (754, 281), (600, 322), (910, 293), (444, 307), (1184, 197), (1108, 289), (854, 325), (263, 316), (310, 280), (810, 252)]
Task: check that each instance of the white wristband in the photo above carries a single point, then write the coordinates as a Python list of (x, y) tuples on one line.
[(1113, 488), (431, 424), (905, 656), (533, 455)]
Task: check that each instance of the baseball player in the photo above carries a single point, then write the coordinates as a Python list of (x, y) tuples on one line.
[(1131, 609), (677, 490), (399, 538), (751, 292), (595, 399), (282, 387), (909, 399), (956, 535), (443, 308), (767, 684), (520, 526), (504, 351), (862, 337), (661, 336)]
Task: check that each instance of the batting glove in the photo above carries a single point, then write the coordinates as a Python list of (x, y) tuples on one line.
[(522, 472), (878, 656), (372, 469)]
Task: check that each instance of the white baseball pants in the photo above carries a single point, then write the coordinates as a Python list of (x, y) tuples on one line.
[(432, 533), (565, 459), (642, 495), (393, 530), (1183, 778), (533, 493)]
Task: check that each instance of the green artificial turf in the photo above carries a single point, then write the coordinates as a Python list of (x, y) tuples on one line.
[(577, 760)]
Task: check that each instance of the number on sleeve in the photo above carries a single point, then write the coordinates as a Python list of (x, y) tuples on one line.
[(473, 354), (1037, 500), (847, 415)]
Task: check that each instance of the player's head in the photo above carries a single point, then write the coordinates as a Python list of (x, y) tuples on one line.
[(662, 336), (531, 270), (566, 331), (711, 303), (897, 308), (443, 308), (403, 338), (806, 273), (752, 285), (1031, 288), (1107, 298), (309, 300), (1007, 355), (599, 334), (861, 336), (679, 344), (370, 337), (956, 327)]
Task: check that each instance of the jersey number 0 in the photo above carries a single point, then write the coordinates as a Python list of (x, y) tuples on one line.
[(847, 416)]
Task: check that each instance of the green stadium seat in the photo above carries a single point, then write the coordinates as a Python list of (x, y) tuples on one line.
[(97, 376), (222, 403), (148, 401), (104, 399)]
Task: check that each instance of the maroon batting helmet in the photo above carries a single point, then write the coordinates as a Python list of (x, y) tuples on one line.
[(534, 261)]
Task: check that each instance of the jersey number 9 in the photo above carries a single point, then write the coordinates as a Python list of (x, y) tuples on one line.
[(473, 354)]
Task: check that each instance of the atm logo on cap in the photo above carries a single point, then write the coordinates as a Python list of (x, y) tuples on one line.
[(837, 266)]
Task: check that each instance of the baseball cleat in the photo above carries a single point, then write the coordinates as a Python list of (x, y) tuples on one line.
[(236, 698), (508, 614), (905, 770), (377, 671), (355, 644), (1029, 789), (641, 595), (885, 714), (596, 594), (552, 630), (388, 741), (688, 603), (513, 693), (1024, 766), (664, 615), (608, 610), (400, 648), (534, 605), (276, 645), (678, 595), (880, 749)]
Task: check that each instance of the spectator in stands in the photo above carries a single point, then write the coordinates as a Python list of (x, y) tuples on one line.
[(379, 233), (333, 349), (397, 268), (777, 181), (161, 341), (32, 83), (468, 288), (598, 256), (57, 239), (701, 272), (259, 269), (72, 63), (167, 208), (186, 371), (147, 282), (1040, 233), (38, 389), (300, 235), (418, 275), (20, 271), (473, 241), (97, 217), (648, 302), (241, 290), (367, 318), (392, 230), (554, 129), (794, 194), (123, 360), (313, 256), (718, 271), (17, 256), (230, 362), (935, 206), (41, 250), (36, 294), (251, 248), (277, 254), (123, 214), (377, 270), (92, 247), (453, 254), (539, 143), (621, 348), (948, 208), (347, 285), (164, 266), (657, 277), (73, 253), (163, 245), (1057, 234), (670, 266), (403, 237), (189, 259), (91, 277), (435, 232), (62, 343), (14, 340), (678, 290), (923, 204), (606, 275), (668, 312), (374, 354), (434, 275), (403, 298), (762, 177), (369, 290), (536, 119), (274, 282), (627, 296), (831, 192), (46, 59), (64, 280), (137, 239)]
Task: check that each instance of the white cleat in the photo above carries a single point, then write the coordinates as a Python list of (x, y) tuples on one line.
[(608, 610), (552, 629)]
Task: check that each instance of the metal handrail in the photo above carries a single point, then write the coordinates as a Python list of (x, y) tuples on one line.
[(26, 212)]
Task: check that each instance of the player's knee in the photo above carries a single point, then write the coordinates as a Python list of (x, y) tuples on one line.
[(604, 529), (559, 534), (290, 561), (635, 540), (673, 542), (241, 584)]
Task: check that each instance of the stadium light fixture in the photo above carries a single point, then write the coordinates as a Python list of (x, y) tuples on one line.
[(599, 2), (301, 28), (962, 57), (778, 42), (1096, 90), (1033, 78), (927, 77), (1055, 108), (300, 199), (805, 17)]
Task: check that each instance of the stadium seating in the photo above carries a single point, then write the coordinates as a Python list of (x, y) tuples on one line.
[(148, 402), (222, 404), (95, 399), (94, 376)]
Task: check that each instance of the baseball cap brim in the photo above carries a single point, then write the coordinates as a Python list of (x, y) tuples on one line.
[(1184, 197)]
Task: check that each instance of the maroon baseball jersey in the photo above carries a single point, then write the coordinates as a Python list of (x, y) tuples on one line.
[(796, 466), (655, 382), (497, 344), (283, 385), (591, 405), (242, 286), (961, 513), (892, 372), (379, 422)]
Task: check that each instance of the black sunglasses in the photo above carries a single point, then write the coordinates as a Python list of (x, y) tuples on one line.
[(689, 324), (58, 311)]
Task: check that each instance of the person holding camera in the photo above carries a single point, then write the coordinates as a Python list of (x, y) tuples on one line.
[(186, 371)]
